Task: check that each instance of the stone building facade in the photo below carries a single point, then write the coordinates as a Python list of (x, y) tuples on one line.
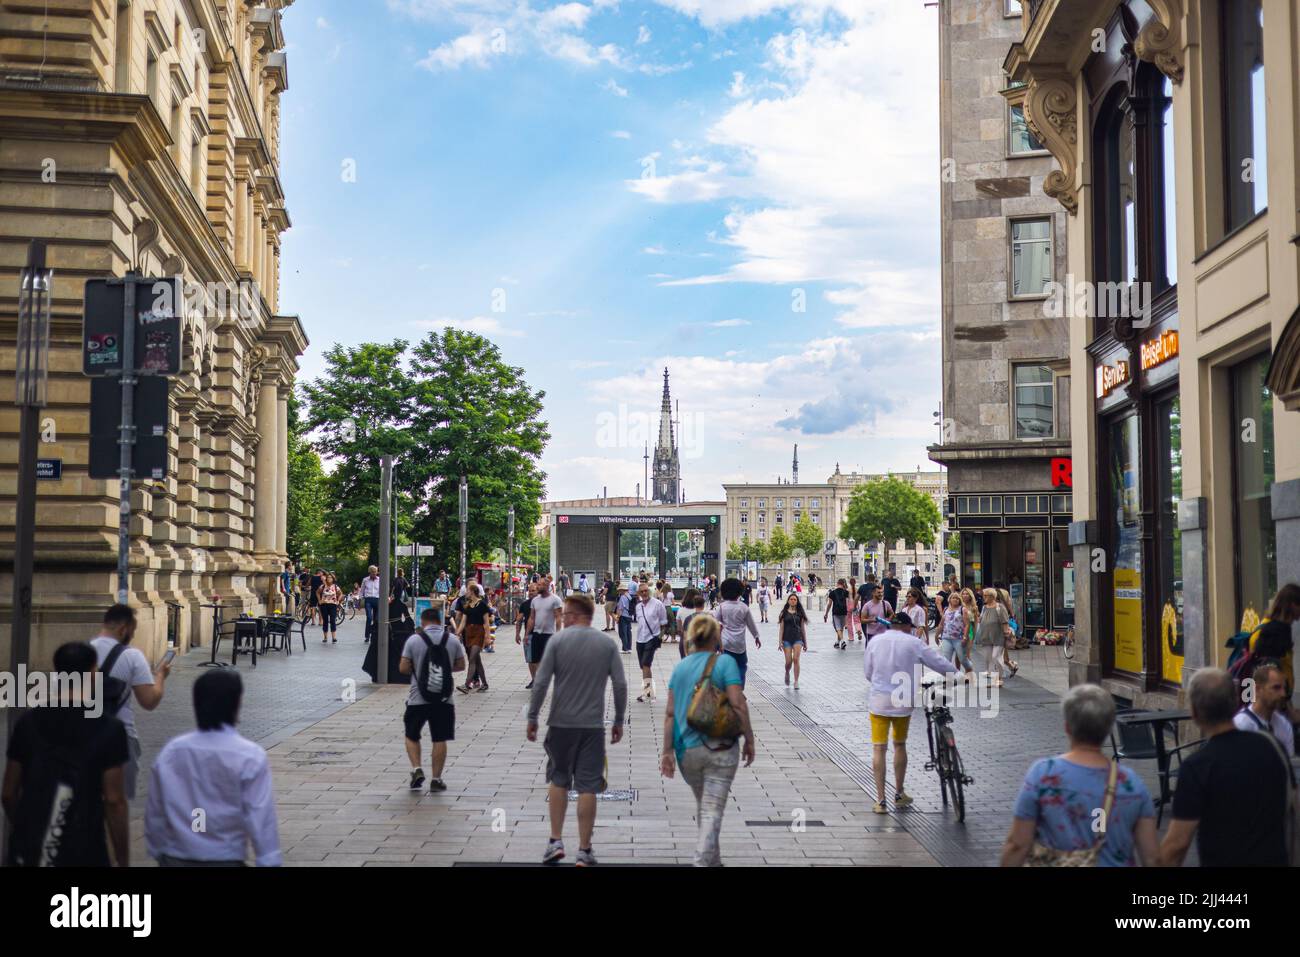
[(1006, 377), (146, 133), (754, 510), (1176, 126)]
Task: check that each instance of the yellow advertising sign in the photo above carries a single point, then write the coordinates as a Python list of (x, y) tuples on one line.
[(1128, 620), (1171, 645)]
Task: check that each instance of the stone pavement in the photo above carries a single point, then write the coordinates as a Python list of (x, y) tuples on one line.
[(340, 771)]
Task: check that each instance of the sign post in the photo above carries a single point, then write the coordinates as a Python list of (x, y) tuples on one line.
[(510, 564), (385, 567)]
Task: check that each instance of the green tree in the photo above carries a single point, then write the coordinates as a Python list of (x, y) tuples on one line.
[(808, 537), (532, 549), (890, 509), (307, 496), (780, 547), (357, 412), (746, 549), (473, 415)]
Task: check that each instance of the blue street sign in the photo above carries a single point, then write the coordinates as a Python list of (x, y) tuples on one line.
[(49, 470)]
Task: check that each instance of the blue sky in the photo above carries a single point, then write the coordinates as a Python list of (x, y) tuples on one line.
[(745, 191)]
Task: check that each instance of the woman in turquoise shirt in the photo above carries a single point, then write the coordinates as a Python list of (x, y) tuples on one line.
[(708, 764)]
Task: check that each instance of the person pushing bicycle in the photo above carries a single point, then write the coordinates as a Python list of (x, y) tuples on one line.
[(892, 664)]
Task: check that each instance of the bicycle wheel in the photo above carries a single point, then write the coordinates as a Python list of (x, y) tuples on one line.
[(952, 777), (350, 612), (1067, 648)]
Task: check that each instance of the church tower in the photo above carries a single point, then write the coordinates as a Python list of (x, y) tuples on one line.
[(667, 478)]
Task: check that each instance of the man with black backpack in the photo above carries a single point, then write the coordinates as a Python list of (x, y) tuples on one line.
[(63, 783), (430, 656), (127, 675)]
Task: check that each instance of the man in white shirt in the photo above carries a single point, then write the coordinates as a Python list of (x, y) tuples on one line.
[(370, 597), (219, 774), (651, 616), (129, 665), (1268, 711), (544, 615), (892, 664)]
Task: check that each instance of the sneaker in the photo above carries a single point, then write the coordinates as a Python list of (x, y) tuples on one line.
[(417, 778), (554, 852), (902, 799), (585, 858), (528, 686), (482, 687), (879, 807), (436, 785)]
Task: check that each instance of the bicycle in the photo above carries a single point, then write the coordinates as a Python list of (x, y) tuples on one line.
[(1067, 646), (348, 610), (944, 756)]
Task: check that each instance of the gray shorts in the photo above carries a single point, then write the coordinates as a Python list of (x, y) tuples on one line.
[(575, 759), (839, 621), (131, 770)]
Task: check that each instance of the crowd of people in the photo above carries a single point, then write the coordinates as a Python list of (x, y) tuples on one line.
[(1235, 794)]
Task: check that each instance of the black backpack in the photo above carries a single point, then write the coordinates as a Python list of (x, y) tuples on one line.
[(116, 691), (434, 678), (52, 826)]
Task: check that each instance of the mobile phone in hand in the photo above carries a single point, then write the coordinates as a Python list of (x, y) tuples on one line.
[(167, 658)]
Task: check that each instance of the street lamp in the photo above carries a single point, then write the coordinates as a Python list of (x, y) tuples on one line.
[(31, 372), (510, 564), (464, 520)]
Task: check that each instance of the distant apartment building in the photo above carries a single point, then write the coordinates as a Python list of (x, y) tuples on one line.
[(753, 511), (1006, 371)]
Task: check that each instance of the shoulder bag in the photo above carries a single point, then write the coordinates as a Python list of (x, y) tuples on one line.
[(710, 712), (1040, 855)]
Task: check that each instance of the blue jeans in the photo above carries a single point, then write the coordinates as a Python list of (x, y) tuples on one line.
[(625, 632), (372, 614), (951, 648), (742, 661)]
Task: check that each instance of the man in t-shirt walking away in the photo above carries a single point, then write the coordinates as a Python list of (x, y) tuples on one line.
[(116, 659), (581, 660), (892, 664), (839, 607), (736, 618), (1233, 791), (422, 706), (77, 732), (543, 621)]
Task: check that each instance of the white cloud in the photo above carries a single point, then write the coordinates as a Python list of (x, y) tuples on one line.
[(738, 90), (621, 135), (730, 323), (614, 88), (483, 325), (654, 251), (322, 23), (642, 34)]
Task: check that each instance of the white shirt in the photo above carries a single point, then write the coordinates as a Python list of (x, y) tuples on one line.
[(891, 665), (1282, 729), (369, 587), (132, 667), (651, 617), (229, 778)]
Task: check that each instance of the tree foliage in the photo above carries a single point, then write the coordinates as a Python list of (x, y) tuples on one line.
[(780, 547), (808, 537), (307, 491), (448, 407), (746, 549), (890, 509)]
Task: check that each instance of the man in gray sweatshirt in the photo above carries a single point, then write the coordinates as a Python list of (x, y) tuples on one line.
[(581, 660)]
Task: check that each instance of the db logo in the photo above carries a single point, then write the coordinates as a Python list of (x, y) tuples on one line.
[(563, 519)]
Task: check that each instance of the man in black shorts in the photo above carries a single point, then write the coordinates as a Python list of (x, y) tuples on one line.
[(543, 621), (440, 716), (583, 663)]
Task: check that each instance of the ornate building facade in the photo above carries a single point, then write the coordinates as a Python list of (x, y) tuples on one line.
[(145, 133), (1176, 126)]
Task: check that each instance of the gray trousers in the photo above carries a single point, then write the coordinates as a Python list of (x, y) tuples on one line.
[(709, 774)]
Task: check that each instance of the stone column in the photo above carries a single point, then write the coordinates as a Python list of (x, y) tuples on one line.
[(282, 474), (266, 489)]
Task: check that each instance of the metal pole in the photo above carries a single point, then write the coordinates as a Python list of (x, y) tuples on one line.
[(385, 565), (32, 362), (126, 440), (464, 520), (510, 564)]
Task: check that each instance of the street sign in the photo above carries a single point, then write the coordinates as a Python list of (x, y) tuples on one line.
[(149, 458), (709, 556), (405, 551), (159, 306), (425, 551), (49, 470)]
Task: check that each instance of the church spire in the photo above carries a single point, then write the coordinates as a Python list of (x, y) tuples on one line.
[(667, 466), (666, 443), (796, 463)]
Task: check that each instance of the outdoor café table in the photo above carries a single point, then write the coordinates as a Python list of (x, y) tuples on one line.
[(275, 632), (1158, 720)]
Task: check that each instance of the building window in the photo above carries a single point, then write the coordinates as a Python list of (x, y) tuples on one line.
[(814, 503), (762, 503), (1012, 8), (796, 503), (1034, 404), (1031, 257), (196, 163), (151, 76), (1245, 145), (1169, 537), (762, 533), (1020, 139), (744, 503), (1126, 542), (795, 516), (1167, 214), (1251, 438), (122, 49), (779, 503), (780, 517), (815, 519), (762, 517), (744, 518)]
